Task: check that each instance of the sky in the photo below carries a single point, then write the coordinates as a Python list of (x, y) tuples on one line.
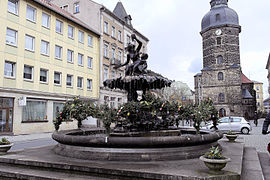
[(175, 47)]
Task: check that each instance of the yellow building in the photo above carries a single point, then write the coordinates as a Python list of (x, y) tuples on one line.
[(46, 57), (258, 87)]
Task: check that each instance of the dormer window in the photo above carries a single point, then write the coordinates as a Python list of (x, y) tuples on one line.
[(217, 17)]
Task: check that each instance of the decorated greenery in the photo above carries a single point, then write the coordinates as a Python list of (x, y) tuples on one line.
[(149, 114), (214, 153), (4, 141)]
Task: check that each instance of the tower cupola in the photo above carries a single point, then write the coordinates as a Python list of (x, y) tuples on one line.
[(219, 15)]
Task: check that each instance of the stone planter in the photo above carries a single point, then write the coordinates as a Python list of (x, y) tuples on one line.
[(215, 165), (231, 137), (5, 148)]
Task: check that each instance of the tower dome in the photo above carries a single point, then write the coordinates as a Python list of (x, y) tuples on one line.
[(220, 14)]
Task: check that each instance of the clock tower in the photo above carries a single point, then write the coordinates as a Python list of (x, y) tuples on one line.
[(221, 76)]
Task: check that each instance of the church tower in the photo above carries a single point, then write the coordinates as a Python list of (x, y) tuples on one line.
[(221, 76)]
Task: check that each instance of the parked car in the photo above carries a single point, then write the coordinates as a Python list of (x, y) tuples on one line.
[(232, 123), (268, 147)]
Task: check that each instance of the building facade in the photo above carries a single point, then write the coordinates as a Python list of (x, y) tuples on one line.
[(115, 29), (258, 87), (47, 56), (221, 76)]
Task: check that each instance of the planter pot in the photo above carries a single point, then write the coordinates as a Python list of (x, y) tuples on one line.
[(231, 137), (5, 148), (215, 165)]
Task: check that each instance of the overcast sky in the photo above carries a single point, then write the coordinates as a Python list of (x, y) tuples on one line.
[(175, 47)]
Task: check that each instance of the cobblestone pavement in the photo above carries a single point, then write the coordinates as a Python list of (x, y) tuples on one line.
[(256, 138)]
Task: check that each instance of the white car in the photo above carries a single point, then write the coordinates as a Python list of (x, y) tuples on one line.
[(232, 123)]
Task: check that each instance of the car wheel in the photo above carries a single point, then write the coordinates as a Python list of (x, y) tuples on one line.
[(244, 130)]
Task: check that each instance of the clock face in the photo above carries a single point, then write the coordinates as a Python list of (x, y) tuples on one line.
[(218, 32)]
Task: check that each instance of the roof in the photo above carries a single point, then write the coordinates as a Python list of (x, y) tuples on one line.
[(120, 11), (246, 94), (65, 14), (123, 21), (268, 62), (257, 82), (245, 80), (227, 16)]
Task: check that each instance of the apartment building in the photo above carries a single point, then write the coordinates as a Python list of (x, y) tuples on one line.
[(46, 57), (115, 29)]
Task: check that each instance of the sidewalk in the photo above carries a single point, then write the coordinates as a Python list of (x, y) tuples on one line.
[(27, 137)]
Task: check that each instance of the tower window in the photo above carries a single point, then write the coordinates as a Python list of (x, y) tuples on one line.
[(220, 76), (219, 59), (221, 97), (218, 40), (217, 17)]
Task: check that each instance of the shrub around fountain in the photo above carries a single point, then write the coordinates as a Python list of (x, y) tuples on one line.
[(150, 114)]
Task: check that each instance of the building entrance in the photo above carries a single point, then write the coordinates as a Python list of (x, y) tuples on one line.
[(6, 114)]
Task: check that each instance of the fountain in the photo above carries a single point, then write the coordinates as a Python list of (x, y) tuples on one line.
[(147, 136)]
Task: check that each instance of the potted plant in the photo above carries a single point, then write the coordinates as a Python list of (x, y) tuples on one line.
[(214, 160), (5, 145), (231, 136)]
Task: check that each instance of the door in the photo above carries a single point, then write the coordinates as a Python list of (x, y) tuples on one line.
[(5, 120), (223, 124), (236, 124), (6, 115)]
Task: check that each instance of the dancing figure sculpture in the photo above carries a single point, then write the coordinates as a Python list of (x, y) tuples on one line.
[(139, 64)]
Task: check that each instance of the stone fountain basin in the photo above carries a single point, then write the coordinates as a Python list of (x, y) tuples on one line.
[(152, 139), (94, 144)]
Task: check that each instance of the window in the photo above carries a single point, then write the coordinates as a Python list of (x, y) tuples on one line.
[(81, 36), (46, 20), (35, 111), (221, 97), (29, 43), (76, 7), (219, 59), (258, 96), (43, 77), (59, 26), (31, 13), (224, 120), (217, 17), (258, 103), (58, 52), (89, 62), (113, 31), (70, 32), (80, 82), (80, 59), (218, 40), (90, 40), (28, 73), (69, 80), (70, 55), (106, 71), (257, 88), (235, 119), (220, 76), (112, 103), (106, 99), (9, 70), (119, 102), (44, 48), (113, 53), (13, 6), (120, 56), (128, 39), (57, 78), (89, 84), (11, 37), (113, 74), (57, 108), (105, 27), (119, 36), (106, 54)]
